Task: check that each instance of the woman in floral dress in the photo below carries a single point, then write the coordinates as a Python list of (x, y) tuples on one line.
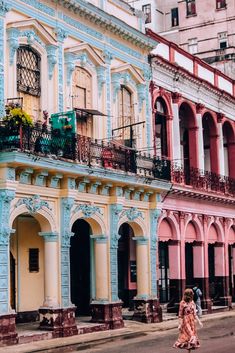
[(187, 323)]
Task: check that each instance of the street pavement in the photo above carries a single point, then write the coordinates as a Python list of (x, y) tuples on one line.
[(217, 336)]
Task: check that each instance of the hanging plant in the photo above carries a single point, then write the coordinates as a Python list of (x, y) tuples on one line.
[(17, 117)]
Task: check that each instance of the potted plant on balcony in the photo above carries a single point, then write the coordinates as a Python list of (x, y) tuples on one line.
[(16, 120), (17, 117)]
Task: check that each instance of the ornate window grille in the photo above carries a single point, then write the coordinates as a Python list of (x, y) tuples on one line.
[(28, 71)]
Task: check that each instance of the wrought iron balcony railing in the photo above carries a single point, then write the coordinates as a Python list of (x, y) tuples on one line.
[(203, 180), (81, 149)]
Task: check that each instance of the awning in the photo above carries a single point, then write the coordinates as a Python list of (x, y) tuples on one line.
[(85, 111)]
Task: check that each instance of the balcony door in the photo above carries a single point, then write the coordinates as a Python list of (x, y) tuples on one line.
[(82, 98)]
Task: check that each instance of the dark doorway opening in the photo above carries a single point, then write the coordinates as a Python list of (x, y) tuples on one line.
[(164, 281), (231, 274), (211, 262), (189, 264), (126, 266), (13, 281), (80, 267)]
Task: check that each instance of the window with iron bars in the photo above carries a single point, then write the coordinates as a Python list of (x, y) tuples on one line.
[(191, 7), (28, 71), (220, 4)]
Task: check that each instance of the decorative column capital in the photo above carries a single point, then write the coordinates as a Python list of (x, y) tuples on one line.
[(199, 108), (69, 60), (141, 240), (116, 84), (13, 42), (4, 8), (99, 239), (176, 97), (51, 58), (101, 78), (141, 90), (61, 34), (108, 56), (49, 236)]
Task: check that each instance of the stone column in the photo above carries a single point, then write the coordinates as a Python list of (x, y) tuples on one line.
[(175, 276), (49, 311), (221, 280), (144, 304), (61, 319), (199, 274), (176, 135), (8, 333), (100, 307), (221, 149)]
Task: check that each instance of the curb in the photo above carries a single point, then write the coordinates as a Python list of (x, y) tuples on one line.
[(79, 343)]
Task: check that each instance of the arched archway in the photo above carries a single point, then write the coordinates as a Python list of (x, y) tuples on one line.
[(81, 266), (210, 144), (161, 133), (27, 268), (169, 277), (231, 258), (228, 149), (188, 139)]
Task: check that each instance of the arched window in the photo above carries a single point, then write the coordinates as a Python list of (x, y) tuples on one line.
[(28, 71), (161, 129), (125, 115)]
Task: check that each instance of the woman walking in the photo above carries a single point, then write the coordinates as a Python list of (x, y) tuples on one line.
[(187, 323)]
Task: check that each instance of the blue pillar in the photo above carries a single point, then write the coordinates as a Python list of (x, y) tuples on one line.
[(115, 210), (4, 8), (66, 206), (6, 196), (154, 214), (61, 35)]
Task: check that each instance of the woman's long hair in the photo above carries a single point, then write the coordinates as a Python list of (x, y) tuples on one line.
[(188, 295)]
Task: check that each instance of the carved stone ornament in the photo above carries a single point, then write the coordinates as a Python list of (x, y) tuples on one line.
[(87, 210), (132, 213), (33, 204)]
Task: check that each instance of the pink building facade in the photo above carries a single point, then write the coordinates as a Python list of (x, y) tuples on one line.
[(193, 115)]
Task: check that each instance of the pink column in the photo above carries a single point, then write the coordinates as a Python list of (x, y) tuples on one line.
[(206, 303), (222, 281), (199, 273), (176, 283), (233, 270)]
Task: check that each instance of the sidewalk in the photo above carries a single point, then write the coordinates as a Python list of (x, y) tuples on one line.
[(132, 329)]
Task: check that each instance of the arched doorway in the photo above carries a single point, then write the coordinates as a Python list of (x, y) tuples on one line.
[(231, 259), (188, 140), (161, 129), (127, 278), (80, 266), (190, 241), (26, 268), (210, 144), (228, 150)]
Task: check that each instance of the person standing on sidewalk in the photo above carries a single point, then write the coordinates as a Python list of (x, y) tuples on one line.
[(187, 323), (197, 294)]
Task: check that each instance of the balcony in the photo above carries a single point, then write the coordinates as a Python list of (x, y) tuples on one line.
[(203, 180), (67, 146)]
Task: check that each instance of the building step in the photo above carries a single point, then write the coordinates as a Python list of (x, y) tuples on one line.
[(27, 337)]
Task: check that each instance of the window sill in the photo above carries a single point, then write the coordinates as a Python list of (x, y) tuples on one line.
[(193, 15), (221, 8)]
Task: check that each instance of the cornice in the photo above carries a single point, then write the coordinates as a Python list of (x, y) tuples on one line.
[(108, 22), (192, 88)]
